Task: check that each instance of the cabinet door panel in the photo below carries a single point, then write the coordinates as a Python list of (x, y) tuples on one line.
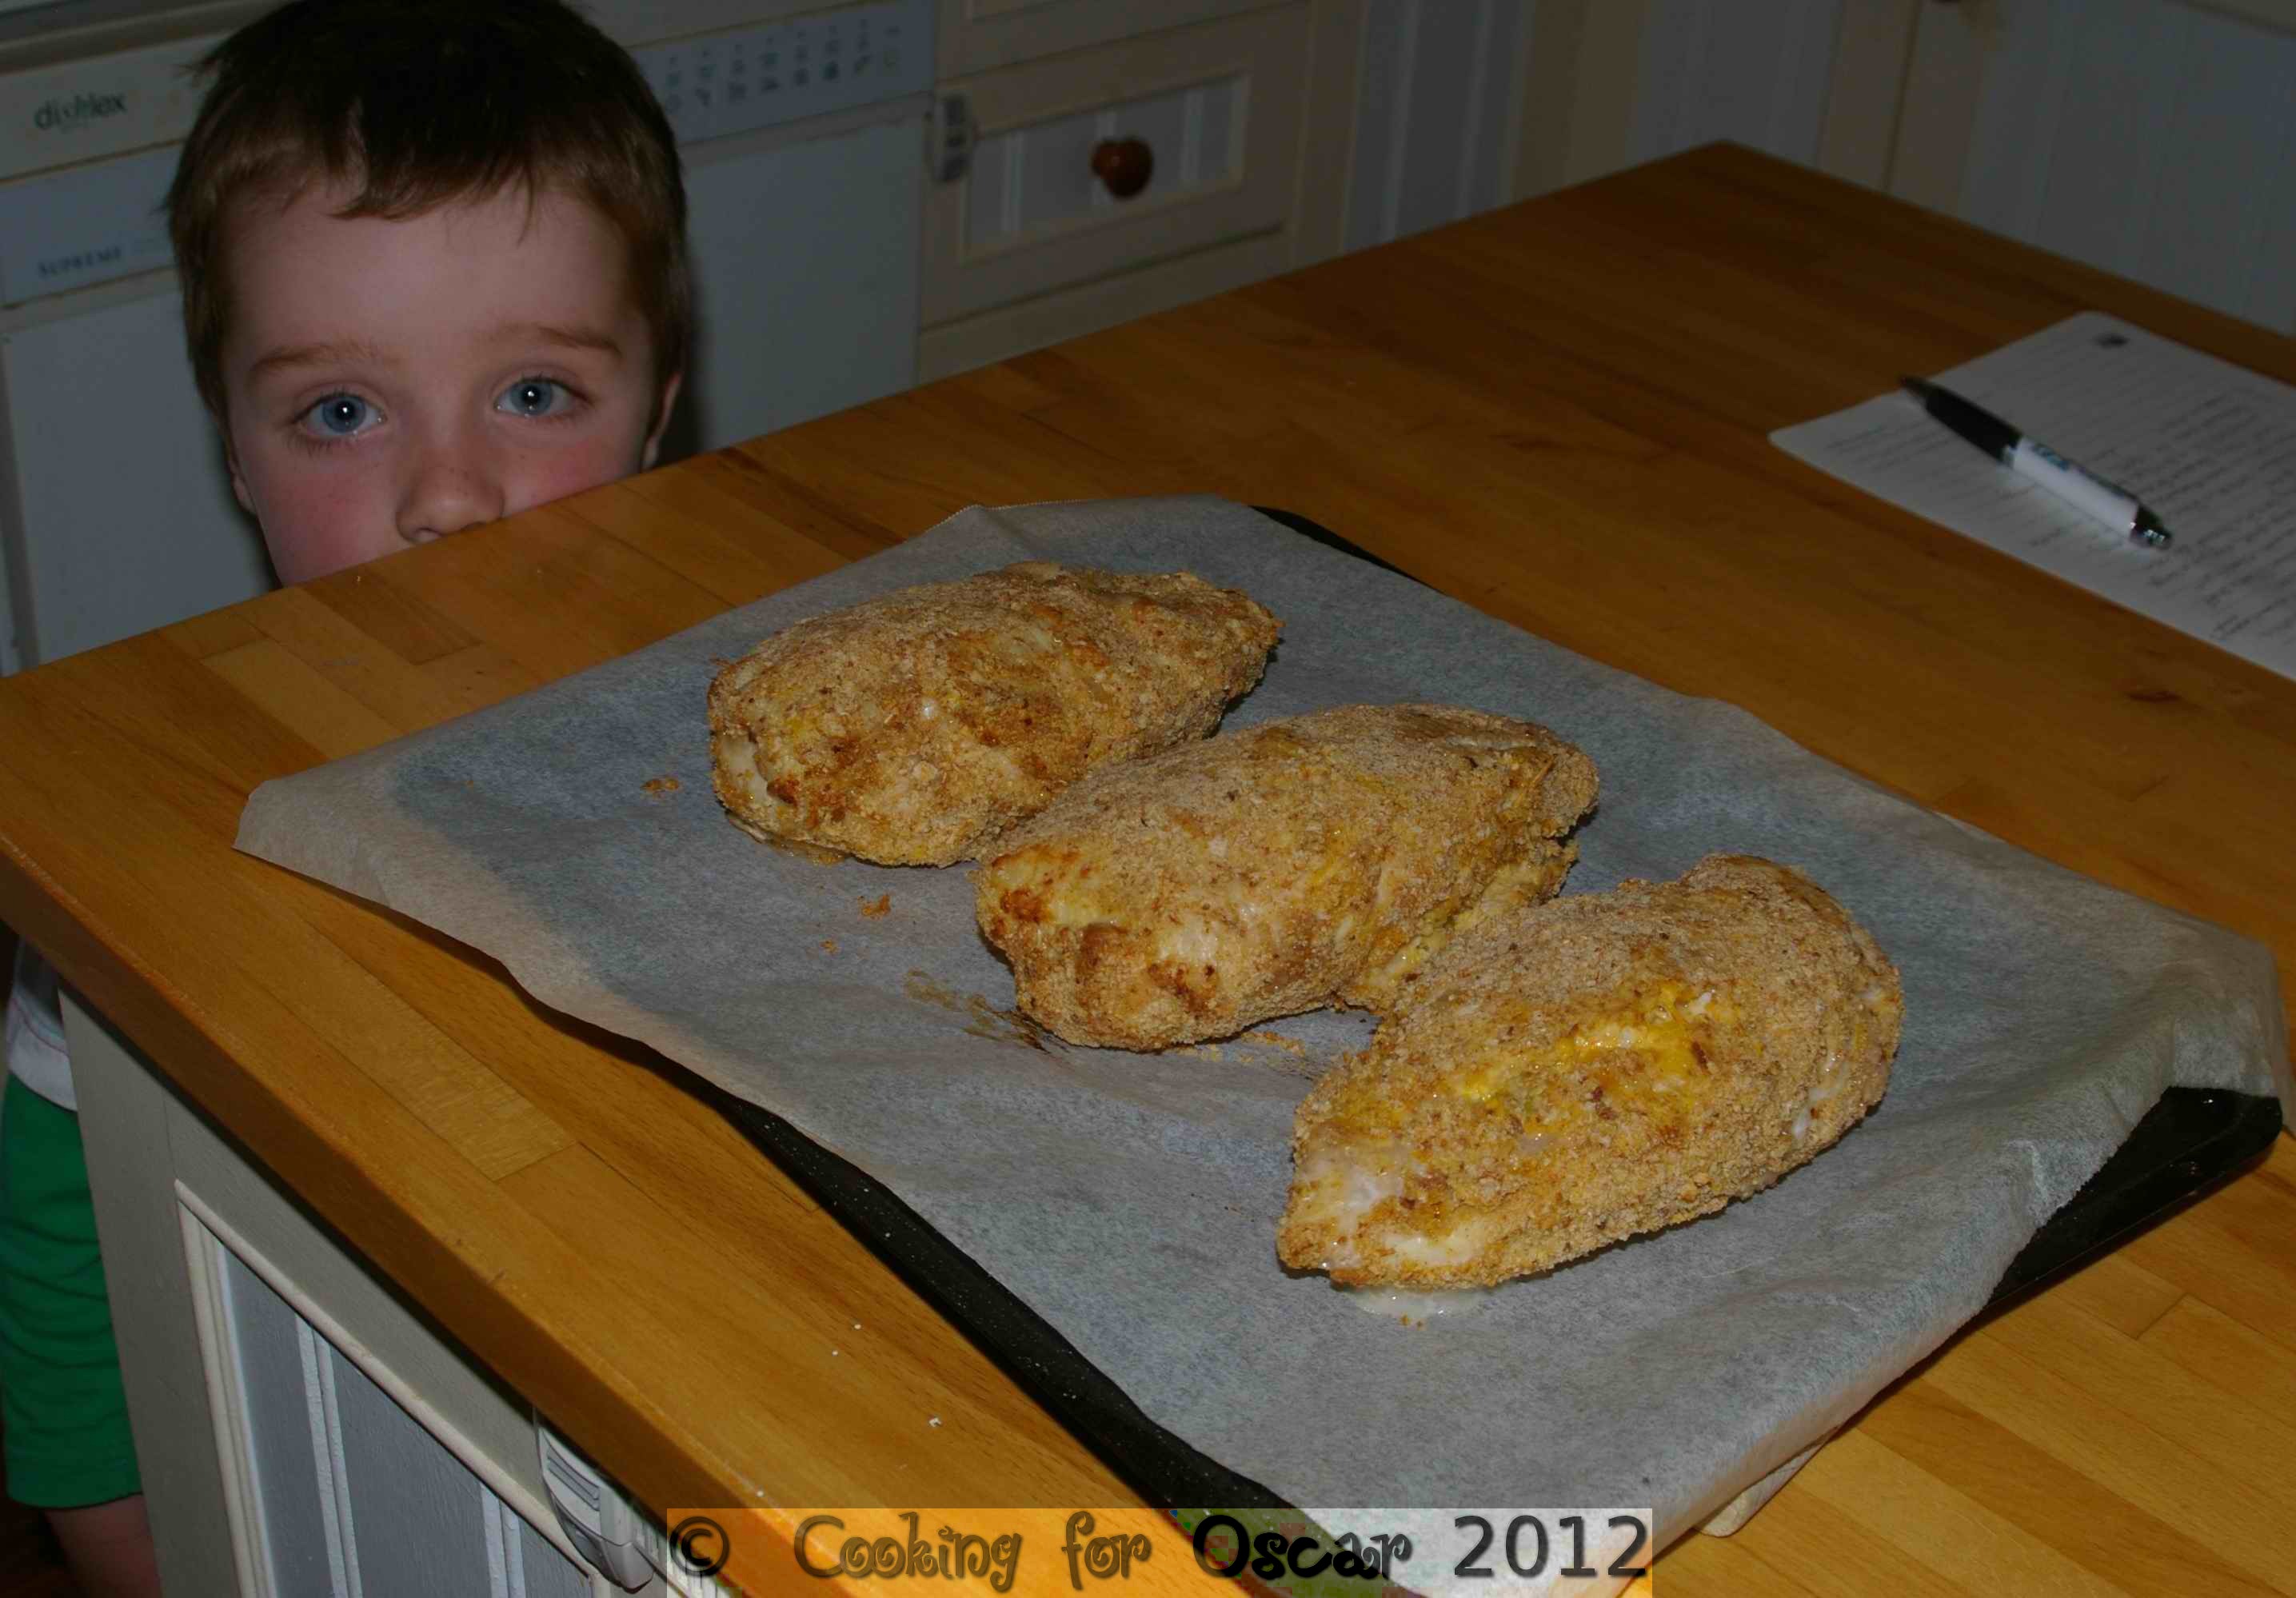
[(351, 1495), (805, 277), (278, 1380), (1447, 151), (123, 517), (1755, 75), (2144, 136)]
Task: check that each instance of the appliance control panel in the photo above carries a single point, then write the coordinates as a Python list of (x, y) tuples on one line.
[(743, 80), (85, 225), (77, 111)]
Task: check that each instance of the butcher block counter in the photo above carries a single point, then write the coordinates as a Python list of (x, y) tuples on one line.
[(1559, 413)]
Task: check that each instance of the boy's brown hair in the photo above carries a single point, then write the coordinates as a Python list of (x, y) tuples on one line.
[(420, 103)]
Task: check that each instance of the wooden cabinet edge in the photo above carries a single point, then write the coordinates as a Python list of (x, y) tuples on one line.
[(1548, 73), (1944, 76), (124, 1120), (1865, 94), (1604, 45), (1327, 140)]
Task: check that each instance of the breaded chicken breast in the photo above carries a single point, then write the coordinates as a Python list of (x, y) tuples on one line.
[(913, 728), (1276, 869), (1576, 1072)]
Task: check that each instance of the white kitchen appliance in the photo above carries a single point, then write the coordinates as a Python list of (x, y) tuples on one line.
[(804, 133)]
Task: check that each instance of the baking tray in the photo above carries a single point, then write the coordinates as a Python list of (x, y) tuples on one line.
[(2193, 1139)]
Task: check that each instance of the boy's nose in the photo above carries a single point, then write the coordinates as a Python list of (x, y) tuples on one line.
[(450, 488)]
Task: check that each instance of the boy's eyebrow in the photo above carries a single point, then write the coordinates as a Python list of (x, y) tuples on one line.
[(316, 355), (552, 332), (348, 351)]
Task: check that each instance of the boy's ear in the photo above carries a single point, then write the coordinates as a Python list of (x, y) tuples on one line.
[(661, 420), (231, 462)]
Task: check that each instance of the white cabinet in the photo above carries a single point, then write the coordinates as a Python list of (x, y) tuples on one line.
[(805, 273), (1439, 97), (1756, 75), (2150, 137), (300, 1428), (1812, 81)]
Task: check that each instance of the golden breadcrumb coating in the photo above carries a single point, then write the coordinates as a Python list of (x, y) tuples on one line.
[(914, 728), (1579, 1071), (1276, 869)]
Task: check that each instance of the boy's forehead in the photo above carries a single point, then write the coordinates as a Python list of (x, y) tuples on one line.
[(325, 214), (306, 273), (311, 189)]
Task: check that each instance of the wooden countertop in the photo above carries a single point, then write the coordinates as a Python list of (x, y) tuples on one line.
[(1558, 412)]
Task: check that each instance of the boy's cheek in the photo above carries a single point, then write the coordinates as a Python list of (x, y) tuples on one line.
[(305, 549), (590, 465), (315, 524)]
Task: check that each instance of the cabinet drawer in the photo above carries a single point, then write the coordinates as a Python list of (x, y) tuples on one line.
[(977, 35), (1219, 106)]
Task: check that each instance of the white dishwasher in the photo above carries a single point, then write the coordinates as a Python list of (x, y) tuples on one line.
[(803, 134)]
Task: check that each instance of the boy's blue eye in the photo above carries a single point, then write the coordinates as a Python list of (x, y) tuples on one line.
[(533, 396), (341, 415)]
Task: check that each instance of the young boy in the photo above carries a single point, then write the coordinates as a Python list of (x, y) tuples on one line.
[(433, 263)]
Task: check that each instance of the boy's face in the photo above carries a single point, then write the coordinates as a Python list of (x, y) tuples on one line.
[(387, 383)]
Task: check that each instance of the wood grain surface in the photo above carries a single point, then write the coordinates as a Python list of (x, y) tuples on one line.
[(1557, 412)]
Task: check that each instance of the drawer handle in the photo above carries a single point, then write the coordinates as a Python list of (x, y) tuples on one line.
[(1124, 165)]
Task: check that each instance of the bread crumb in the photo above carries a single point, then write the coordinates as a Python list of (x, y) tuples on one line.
[(805, 851), (663, 784), (829, 945), (1277, 1040), (983, 1019), (880, 905)]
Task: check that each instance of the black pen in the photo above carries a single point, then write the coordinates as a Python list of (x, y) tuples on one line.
[(2030, 458)]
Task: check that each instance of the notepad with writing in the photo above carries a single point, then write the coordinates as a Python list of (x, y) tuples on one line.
[(2209, 446)]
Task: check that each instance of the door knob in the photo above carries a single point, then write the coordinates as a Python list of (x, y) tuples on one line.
[(1124, 165)]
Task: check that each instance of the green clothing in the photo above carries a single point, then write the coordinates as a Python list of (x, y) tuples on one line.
[(62, 1406)]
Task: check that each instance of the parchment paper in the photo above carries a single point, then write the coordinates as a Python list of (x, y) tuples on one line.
[(1130, 1199)]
